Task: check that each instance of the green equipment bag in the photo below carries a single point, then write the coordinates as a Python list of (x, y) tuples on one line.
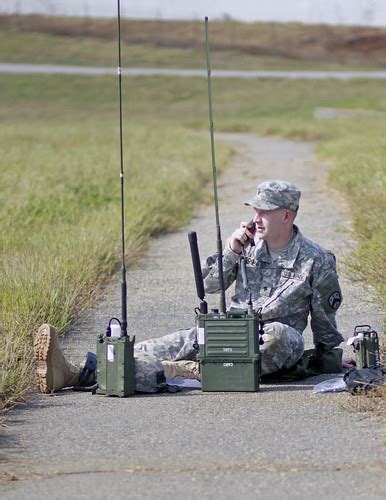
[(308, 366)]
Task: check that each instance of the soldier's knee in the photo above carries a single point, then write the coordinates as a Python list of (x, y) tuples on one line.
[(283, 346)]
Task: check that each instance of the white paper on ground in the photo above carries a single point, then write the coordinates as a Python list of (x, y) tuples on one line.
[(331, 385), (188, 383)]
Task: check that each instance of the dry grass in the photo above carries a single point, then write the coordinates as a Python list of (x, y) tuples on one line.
[(366, 401)]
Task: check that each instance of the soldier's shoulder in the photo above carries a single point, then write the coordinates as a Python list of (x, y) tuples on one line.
[(316, 252)]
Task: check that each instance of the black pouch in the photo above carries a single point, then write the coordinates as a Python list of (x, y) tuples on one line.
[(363, 379), (308, 365)]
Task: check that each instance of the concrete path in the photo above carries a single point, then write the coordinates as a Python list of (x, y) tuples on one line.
[(95, 71), (282, 442)]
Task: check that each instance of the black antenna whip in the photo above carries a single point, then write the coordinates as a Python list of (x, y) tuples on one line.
[(123, 269), (219, 242)]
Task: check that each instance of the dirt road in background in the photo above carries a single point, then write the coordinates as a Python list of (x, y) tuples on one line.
[(51, 69), (282, 442)]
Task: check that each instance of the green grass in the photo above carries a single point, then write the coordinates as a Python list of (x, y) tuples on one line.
[(360, 171), (181, 44), (41, 48), (60, 211), (59, 195), (238, 104)]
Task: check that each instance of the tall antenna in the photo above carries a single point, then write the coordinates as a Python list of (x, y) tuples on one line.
[(123, 268), (214, 172)]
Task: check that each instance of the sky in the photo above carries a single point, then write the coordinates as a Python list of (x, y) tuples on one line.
[(354, 12)]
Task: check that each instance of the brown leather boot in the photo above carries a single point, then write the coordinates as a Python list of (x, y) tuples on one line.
[(184, 369), (53, 371)]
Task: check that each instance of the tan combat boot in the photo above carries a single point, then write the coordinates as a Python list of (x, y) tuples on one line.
[(184, 369), (53, 371)]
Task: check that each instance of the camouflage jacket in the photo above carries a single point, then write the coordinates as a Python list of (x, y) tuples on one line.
[(302, 282)]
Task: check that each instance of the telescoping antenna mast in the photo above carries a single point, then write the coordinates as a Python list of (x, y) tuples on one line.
[(115, 349), (214, 172), (123, 267)]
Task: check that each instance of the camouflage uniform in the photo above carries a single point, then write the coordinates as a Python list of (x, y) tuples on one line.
[(302, 281)]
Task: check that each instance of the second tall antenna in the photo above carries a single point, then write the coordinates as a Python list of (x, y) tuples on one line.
[(214, 172)]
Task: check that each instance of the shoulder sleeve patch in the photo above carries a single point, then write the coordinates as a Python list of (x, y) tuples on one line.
[(335, 300)]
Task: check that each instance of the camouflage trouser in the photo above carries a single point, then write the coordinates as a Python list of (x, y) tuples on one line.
[(282, 348), (149, 354)]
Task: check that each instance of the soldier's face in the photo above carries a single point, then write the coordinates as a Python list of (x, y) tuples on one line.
[(271, 224)]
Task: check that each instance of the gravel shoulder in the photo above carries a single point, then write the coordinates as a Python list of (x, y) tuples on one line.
[(283, 441)]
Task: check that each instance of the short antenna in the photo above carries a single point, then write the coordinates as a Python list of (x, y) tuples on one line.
[(219, 242), (123, 268)]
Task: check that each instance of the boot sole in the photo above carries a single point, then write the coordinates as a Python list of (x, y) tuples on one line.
[(42, 350)]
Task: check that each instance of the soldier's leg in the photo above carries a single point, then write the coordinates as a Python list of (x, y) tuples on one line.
[(282, 348), (54, 372), (175, 351), (149, 373), (182, 368), (172, 347)]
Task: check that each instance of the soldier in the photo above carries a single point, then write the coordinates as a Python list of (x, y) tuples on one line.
[(290, 278)]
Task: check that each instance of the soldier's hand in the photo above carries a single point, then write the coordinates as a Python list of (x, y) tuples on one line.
[(348, 362), (241, 237)]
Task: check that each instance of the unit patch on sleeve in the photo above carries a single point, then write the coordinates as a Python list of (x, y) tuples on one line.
[(335, 299)]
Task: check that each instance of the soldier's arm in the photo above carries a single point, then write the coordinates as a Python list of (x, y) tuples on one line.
[(209, 269), (326, 299)]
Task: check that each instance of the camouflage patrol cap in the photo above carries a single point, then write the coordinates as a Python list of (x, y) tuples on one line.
[(274, 194)]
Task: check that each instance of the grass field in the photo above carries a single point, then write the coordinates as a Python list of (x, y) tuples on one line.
[(43, 48), (181, 44), (59, 195), (60, 214)]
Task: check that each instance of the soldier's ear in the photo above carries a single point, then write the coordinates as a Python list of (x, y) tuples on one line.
[(287, 216)]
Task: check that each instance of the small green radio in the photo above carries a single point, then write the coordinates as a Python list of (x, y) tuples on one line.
[(116, 364), (366, 347)]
